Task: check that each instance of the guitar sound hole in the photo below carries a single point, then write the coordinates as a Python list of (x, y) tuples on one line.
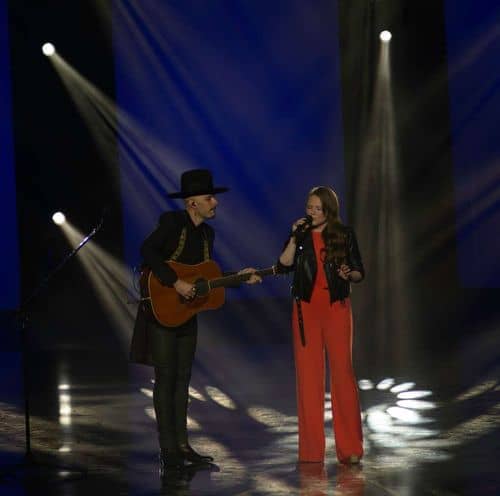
[(201, 287)]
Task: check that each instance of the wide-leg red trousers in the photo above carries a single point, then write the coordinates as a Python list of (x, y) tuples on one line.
[(327, 327)]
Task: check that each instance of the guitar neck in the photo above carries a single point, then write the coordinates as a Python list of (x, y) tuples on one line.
[(221, 282)]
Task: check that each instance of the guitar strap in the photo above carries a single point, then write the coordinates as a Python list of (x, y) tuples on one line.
[(182, 243), (175, 255), (206, 252)]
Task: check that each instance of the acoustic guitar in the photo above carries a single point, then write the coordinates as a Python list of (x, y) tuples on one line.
[(171, 309)]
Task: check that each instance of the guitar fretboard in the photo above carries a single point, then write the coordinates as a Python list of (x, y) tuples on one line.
[(220, 282)]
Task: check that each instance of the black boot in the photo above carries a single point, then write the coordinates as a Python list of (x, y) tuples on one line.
[(170, 462), (189, 454)]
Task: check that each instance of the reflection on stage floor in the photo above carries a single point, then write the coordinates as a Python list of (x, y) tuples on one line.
[(94, 416)]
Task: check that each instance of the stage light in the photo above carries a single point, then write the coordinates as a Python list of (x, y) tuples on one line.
[(48, 49), (385, 384), (220, 397), (193, 425), (407, 416), (385, 36), (59, 218), (65, 410), (405, 386), (416, 404), (412, 395), (194, 393), (147, 392), (365, 384)]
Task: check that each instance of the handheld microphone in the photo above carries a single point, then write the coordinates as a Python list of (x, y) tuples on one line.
[(306, 225)]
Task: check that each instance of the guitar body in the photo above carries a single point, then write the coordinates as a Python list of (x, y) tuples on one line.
[(169, 307)]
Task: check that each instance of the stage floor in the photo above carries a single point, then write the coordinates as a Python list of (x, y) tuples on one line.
[(93, 416)]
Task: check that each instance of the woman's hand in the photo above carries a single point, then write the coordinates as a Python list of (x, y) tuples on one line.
[(344, 272), (287, 256), (298, 223), (347, 274), (254, 278)]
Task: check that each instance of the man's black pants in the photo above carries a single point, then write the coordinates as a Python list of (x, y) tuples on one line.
[(173, 352)]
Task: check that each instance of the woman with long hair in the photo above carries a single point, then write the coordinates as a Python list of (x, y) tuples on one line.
[(325, 258)]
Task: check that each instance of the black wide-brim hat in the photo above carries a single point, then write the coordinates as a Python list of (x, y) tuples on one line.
[(197, 182)]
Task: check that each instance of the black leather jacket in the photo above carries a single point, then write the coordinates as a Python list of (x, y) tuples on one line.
[(305, 267)]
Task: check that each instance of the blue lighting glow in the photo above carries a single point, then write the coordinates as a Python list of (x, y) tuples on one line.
[(9, 253), (473, 50), (248, 90)]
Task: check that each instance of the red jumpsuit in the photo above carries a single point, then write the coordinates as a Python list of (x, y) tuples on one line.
[(326, 326)]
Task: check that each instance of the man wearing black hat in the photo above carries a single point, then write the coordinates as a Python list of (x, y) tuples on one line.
[(182, 236)]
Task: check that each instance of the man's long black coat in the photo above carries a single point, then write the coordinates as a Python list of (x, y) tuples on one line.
[(155, 250)]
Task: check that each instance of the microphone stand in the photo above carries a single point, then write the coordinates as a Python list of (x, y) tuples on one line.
[(30, 467)]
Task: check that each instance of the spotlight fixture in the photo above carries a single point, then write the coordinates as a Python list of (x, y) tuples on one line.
[(48, 49), (385, 36), (59, 218)]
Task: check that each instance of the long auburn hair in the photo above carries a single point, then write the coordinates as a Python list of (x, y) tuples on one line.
[(334, 233)]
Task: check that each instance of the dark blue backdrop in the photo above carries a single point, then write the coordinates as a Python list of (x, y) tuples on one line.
[(250, 90), (474, 88), (9, 252)]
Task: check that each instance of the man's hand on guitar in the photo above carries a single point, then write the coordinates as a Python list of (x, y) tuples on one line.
[(253, 278), (175, 304), (185, 289)]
